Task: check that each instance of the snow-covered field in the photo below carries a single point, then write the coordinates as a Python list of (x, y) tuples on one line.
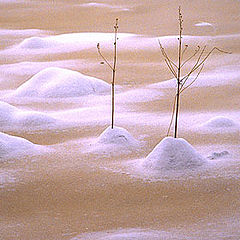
[(66, 174)]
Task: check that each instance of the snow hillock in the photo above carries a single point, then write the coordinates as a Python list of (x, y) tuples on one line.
[(56, 82), (36, 43), (11, 145), (117, 136), (220, 122), (12, 117), (173, 154)]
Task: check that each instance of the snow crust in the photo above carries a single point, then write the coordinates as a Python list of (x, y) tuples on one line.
[(173, 154), (117, 136), (56, 82), (11, 145), (12, 117)]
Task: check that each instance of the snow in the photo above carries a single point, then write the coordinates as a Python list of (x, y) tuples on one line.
[(12, 146), (14, 118), (31, 68), (37, 43), (219, 124), (221, 76), (117, 136), (68, 42), (203, 24), (173, 154), (56, 82), (103, 5), (126, 234), (21, 32)]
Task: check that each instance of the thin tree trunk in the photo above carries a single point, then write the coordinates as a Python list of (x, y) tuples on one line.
[(114, 72), (178, 74)]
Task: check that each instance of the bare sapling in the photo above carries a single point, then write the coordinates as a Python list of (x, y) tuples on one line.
[(112, 67), (200, 54)]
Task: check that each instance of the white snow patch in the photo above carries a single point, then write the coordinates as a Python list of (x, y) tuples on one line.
[(117, 136), (173, 154), (127, 234), (203, 24), (11, 146), (61, 83), (220, 124), (31, 68), (67, 42), (13, 118), (113, 142), (103, 5), (37, 43)]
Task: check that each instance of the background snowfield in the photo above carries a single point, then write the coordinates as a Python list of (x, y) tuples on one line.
[(64, 174)]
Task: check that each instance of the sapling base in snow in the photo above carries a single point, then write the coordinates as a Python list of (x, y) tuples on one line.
[(112, 67), (176, 69)]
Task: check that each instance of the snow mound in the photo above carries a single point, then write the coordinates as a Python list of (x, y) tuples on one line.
[(56, 82), (9, 145), (220, 122), (36, 43), (12, 117), (173, 154), (117, 136)]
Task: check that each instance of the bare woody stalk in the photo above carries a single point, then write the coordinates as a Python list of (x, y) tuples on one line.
[(176, 70), (112, 67)]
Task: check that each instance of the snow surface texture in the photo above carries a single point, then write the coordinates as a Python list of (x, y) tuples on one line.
[(173, 154), (56, 82), (117, 136), (220, 124), (126, 234), (12, 146), (12, 117), (68, 42), (219, 77)]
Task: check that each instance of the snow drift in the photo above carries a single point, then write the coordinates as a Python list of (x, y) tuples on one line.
[(12, 117), (11, 145), (37, 43), (56, 82), (220, 122), (173, 154), (117, 136)]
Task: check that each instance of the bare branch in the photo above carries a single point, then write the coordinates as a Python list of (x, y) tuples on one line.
[(184, 50), (104, 59), (165, 54), (193, 80), (206, 57), (185, 78), (195, 53), (170, 68)]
